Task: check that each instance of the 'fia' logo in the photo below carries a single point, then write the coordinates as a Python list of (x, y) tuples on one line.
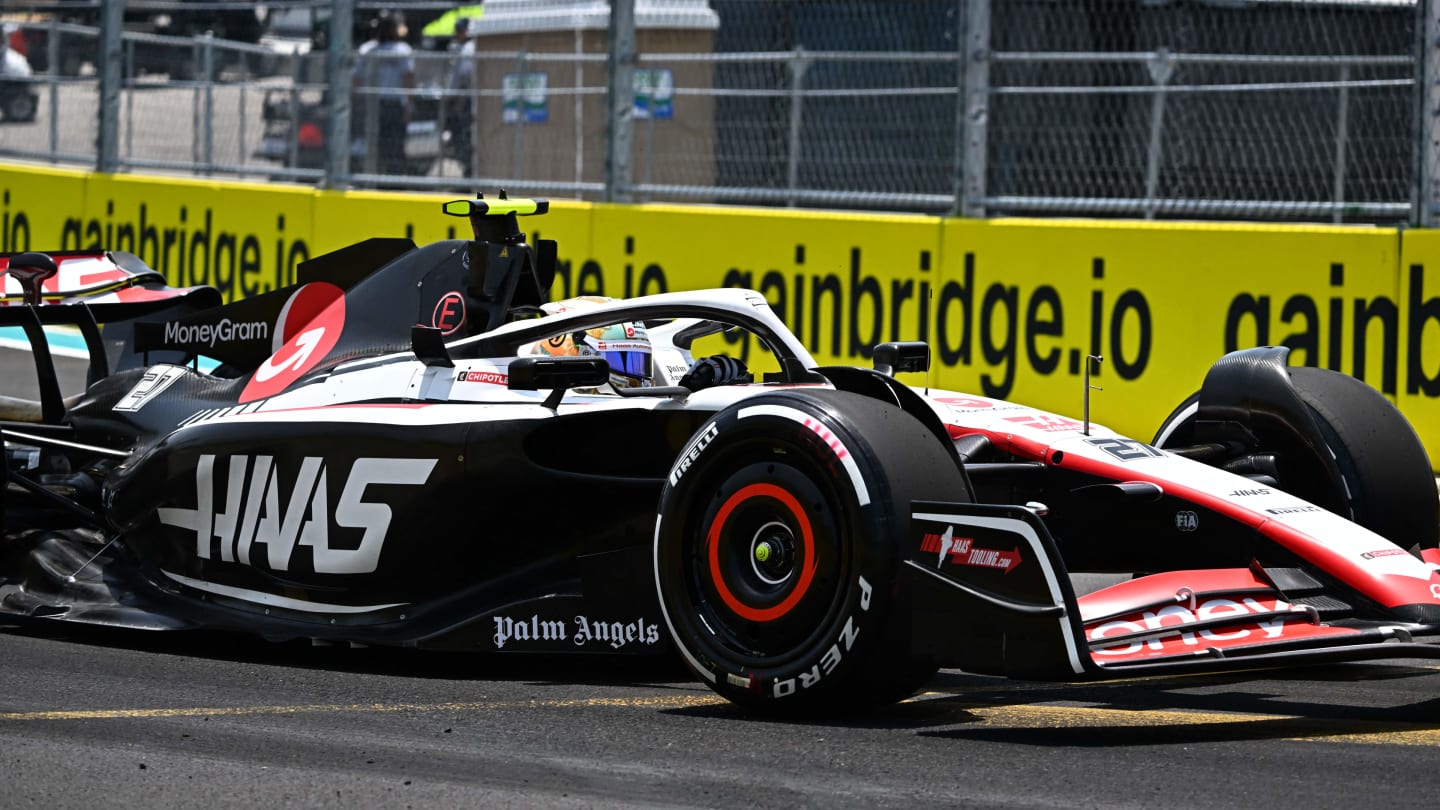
[(1187, 521), (274, 515)]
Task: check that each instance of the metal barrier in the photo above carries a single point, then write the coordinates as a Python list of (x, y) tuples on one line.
[(1024, 107)]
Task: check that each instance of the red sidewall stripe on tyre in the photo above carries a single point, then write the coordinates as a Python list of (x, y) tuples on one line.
[(842, 454), (807, 537)]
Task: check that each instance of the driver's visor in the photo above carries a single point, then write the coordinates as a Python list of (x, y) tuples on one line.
[(629, 363)]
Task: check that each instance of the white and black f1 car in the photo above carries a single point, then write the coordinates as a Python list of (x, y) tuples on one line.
[(414, 447)]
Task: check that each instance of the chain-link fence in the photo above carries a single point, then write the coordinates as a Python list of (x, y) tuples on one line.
[(1263, 109)]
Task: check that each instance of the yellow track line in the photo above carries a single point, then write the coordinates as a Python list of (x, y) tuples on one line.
[(1267, 726), (679, 702), (990, 717)]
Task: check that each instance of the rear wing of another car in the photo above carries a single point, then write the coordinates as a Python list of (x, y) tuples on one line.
[(83, 290)]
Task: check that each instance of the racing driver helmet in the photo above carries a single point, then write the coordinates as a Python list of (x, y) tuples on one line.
[(625, 346)]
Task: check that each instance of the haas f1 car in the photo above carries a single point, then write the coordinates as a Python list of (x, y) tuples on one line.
[(416, 447)]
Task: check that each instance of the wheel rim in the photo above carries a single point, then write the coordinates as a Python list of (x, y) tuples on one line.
[(764, 561), (780, 553)]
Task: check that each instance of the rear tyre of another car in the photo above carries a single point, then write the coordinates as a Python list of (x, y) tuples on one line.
[(779, 547)]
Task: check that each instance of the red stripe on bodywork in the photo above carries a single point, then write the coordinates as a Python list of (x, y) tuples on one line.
[(1388, 590), (1169, 586), (1185, 642)]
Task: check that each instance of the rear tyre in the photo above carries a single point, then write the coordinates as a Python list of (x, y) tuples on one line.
[(1388, 482), (779, 545)]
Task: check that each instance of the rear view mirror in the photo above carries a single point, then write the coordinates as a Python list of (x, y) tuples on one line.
[(909, 355), (558, 374), (539, 373)]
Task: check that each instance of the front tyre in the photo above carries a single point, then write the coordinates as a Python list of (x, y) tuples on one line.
[(1387, 484), (779, 543)]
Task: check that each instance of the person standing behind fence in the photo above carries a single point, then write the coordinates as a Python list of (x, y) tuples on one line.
[(385, 68)]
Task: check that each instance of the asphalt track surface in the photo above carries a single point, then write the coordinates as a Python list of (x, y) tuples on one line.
[(113, 720), (121, 719)]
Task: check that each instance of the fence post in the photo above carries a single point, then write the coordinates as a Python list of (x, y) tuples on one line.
[(107, 147), (1429, 129), (619, 122), (206, 42), (128, 60), (52, 58), (371, 106), (339, 63), (976, 101), (1161, 67), (648, 175), (957, 136), (1342, 135), (517, 154), (799, 65)]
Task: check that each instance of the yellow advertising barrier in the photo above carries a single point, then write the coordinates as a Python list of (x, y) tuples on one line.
[(1011, 308), (1419, 304), (243, 239), (33, 202), (842, 282), (1025, 301)]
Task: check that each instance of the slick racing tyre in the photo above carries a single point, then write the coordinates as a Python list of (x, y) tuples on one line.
[(1388, 484), (779, 543)]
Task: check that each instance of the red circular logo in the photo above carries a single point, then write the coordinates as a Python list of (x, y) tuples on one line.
[(308, 328), (449, 313)]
